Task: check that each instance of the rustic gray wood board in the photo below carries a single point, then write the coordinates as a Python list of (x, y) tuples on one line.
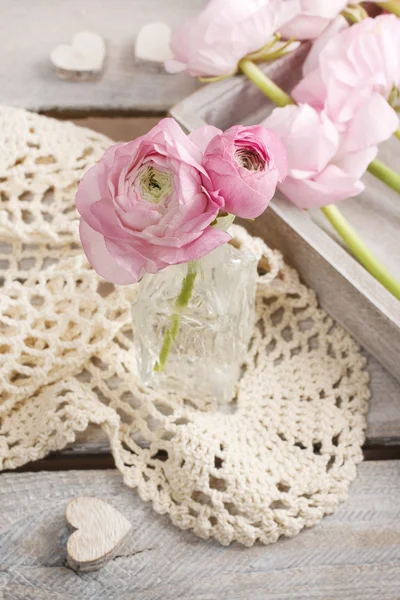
[(384, 411), (352, 554), (348, 292), (383, 418), (30, 30)]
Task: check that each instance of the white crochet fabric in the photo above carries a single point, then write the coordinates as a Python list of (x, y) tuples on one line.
[(277, 460)]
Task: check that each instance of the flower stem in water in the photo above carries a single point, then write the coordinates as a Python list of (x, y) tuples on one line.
[(181, 303)]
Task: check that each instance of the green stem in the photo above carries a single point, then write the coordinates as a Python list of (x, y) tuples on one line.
[(393, 6), (360, 250), (354, 14), (385, 174), (264, 83), (332, 213), (397, 133), (181, 303)]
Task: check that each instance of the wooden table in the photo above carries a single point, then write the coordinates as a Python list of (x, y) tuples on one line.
[(354, 554), (30, 29)]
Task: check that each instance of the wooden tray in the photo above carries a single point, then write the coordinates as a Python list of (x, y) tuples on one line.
[(345, 289)]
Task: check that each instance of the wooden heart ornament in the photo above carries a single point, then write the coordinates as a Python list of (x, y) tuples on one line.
[(100, 531), (85, 55), (153, 43)]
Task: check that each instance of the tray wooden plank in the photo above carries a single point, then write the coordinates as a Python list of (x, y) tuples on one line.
[(375, 213), (347, 291), (352, 554), (384, 412), (30, 30)]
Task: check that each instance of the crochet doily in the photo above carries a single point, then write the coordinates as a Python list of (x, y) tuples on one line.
[(277, 459)]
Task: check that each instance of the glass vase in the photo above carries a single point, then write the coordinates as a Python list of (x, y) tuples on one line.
[(192, 324)]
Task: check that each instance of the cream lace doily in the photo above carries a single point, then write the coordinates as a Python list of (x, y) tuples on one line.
[(277, 460)]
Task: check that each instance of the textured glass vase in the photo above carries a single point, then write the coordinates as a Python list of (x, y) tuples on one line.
[(196, 350)]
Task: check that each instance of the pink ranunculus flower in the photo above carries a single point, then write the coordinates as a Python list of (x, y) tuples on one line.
[(244, 166), (144, 207), (215, 41), (334, 28), (320, 172), (315, 16), (351, 75)]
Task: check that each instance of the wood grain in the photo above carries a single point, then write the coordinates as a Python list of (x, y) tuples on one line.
[(384, 412), (119, 129), (375, 213), (347, 291), (353, 554), (30, 30)]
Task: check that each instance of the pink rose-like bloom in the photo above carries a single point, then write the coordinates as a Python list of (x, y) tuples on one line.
[(320, 171), (312, 61), (215, 41), (144, 206), (315, 16), (244, 166), (350, 75)]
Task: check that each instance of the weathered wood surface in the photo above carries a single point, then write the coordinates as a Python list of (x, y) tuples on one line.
[(347, 291), (384, 413), (29, 31), (375, 214), (352, 554), (119, 129)]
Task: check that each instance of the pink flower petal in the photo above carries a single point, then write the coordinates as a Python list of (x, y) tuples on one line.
[(100, 258), (331, 186), (374, 122), (202, 136), (225, 31), (315, 17)]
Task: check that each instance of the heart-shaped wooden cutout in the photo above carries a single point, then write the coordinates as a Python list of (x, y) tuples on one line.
[(85, 55), (153, 42), (100, 531)]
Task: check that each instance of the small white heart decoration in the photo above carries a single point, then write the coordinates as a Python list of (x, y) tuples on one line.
[(153, 42), (85, 54), (100, 531)]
